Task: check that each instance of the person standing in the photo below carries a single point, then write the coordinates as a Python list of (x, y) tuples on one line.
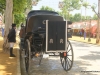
[(22, 31), (12, 39), (80, 33), (22, 35), (84, 34), (2, 29)]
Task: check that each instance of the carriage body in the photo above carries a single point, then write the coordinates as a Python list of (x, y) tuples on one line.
[(47, 32), (48, 26)]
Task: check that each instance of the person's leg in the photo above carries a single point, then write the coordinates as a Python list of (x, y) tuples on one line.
[(11, 49)]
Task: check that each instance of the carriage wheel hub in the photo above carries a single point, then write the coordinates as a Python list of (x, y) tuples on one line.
[(65, 54)]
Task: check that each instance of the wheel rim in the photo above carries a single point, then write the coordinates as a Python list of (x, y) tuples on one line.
[(67, 61), (27, 56)]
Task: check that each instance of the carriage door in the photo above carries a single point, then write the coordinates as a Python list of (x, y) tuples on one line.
[(56, 36)]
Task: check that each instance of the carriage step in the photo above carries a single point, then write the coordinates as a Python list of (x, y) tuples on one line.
[(45, 55)]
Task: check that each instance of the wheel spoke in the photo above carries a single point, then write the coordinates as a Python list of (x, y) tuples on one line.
[(65, 63), (66, 67), (69, 59), (68, 50), (67, 45), (68, 62)]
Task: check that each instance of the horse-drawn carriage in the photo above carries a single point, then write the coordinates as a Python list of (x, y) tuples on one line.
[(47, 32)]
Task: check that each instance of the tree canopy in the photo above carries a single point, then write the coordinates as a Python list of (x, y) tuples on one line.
[(2, 5), (68, 6), (19, 8), (46, 8), (22, 4)]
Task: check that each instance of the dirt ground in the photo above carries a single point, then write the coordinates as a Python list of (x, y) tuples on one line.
[(8, 65)]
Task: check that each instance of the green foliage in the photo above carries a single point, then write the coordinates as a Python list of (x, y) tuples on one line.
[(19, 6), (85, 4), (77, 17), (60, 13), (19, 18), (70, 5), (2, 5), (71, 18), (93, 6), (88, 17), (83, 18), (46, 8), (95, 17), (29, 4)]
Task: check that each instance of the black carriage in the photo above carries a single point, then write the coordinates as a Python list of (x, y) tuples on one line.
[(47, 32)]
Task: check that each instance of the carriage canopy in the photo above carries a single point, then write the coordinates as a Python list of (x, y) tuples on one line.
[(38, 18)]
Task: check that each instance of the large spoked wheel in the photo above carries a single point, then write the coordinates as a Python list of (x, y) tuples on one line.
[(66, 58), (27, 56)]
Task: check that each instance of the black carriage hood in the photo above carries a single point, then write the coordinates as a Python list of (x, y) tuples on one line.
[(41, 12), (35, 19)]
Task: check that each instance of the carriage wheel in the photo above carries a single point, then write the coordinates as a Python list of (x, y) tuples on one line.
[(20, 49), (41, 56), (66, 58), (27, 56)]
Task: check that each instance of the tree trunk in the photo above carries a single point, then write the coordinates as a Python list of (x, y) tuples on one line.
[(8, 16), (98, 31), (98, 27)]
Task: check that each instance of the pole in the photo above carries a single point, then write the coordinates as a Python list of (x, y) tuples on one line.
[(89, 39)]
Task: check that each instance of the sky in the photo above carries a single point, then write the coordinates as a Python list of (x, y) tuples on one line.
[(54, 4)]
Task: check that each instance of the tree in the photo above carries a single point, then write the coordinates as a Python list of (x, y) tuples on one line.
[(12, 7), (83, 18), (12, 11), (95, 17), (60, 13), (19, 18), (85, 4), (8, 15), (46, 8), (71, 18), (77, 17), (2, 6), (22, 4), (98, 14), (98, 27), (70, 5), (88, 17)]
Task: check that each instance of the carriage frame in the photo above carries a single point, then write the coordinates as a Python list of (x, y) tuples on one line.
[(32, 49)]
